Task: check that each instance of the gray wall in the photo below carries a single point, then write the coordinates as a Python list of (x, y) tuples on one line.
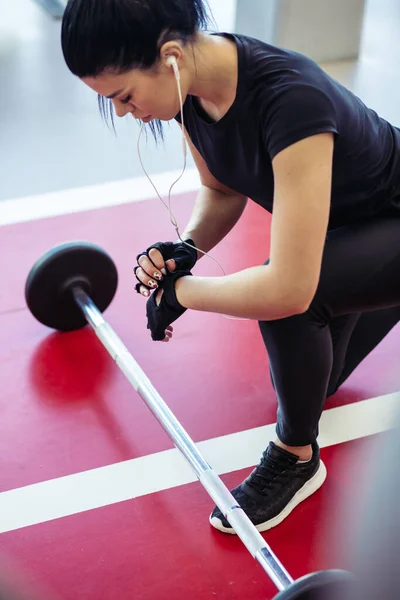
[(322, 29)]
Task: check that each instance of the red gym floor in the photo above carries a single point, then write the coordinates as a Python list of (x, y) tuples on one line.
[(67, 409)]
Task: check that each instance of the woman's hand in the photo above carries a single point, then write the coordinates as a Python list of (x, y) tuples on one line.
[(159, 260), (169, 332), (163, 308)]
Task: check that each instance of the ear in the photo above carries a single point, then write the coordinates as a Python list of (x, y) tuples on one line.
[(169, 51)]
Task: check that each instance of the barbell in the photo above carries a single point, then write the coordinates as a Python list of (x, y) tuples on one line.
[(69, 288)]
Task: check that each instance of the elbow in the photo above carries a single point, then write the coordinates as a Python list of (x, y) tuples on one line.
[(303, 302), (300, 308), (293, 310), (287, 299), (283, 310), (294, 303)]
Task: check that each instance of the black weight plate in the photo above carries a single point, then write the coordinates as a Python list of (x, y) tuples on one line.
[(49, 283), (324, 585)]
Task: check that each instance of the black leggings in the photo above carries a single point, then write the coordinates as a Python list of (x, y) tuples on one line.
[(356, 304)]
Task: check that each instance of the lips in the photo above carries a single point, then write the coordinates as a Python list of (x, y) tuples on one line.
[(147, 119)]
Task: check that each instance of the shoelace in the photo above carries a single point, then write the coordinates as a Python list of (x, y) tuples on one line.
[(268, 471)]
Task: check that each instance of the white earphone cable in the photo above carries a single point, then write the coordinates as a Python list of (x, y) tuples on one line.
[(168, 207)]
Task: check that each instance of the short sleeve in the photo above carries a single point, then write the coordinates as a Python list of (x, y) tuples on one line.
[(297, 112)]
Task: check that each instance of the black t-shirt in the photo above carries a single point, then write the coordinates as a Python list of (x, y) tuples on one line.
[(283, 97)]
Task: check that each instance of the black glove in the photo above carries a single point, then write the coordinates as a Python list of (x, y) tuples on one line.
[(184, 256), (169, 310)]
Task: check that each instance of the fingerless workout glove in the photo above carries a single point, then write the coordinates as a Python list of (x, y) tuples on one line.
[(169, 310), (184, 256)]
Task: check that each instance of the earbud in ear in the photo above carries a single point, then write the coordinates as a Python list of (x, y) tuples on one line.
[(171, 61)]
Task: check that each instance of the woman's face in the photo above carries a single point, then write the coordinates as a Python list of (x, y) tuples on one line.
[(147, 95)]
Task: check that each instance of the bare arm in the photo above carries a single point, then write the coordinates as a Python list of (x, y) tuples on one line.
[(303, 181), (214, 215), (216, 211)]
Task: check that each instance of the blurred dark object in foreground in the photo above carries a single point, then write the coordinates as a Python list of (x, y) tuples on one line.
[(370, 533), (375, 547)]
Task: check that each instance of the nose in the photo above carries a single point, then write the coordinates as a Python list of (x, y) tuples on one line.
[(121, 110)]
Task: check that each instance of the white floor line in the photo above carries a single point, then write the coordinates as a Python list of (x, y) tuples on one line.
[(113, 193), (115, 483)]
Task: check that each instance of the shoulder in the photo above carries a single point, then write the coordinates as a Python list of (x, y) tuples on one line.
[(278, 64), (275, 77)]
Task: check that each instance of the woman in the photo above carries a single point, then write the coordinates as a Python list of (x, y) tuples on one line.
[(267, 124)]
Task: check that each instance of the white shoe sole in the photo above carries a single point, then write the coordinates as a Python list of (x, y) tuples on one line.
[(309, 488)]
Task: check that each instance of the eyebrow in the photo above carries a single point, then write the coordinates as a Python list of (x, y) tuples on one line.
[(114, 94)]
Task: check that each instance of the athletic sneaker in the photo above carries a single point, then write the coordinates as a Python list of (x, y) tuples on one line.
[(275, 487)]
